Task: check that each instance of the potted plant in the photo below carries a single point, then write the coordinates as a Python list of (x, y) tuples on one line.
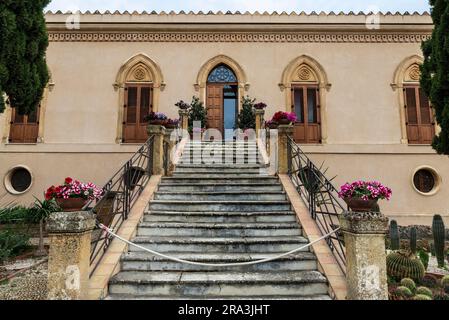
[(284, 117), (271, 124), (362, 196), (73, 195), (260, 106), (182, 105), (246, 118), (156, 118), (172, 123)]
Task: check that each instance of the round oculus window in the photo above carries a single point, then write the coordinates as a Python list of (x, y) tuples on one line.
[(425, 180), (18, 180)]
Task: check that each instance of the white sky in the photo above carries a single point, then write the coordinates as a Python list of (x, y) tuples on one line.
[(242, 5)]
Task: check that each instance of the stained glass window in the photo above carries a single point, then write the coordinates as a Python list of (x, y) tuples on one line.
[(222, 73)]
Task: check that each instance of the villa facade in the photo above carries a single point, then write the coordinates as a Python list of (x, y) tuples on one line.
[(354, 88)]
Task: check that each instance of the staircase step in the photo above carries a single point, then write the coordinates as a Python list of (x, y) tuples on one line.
[(216, 297), (222, 196), (218, 229), (219, 166), (229, 170), (217, 217), (142, 261), (211, 187), (298, 283), (257, 179), (226, 244), (226, 206)]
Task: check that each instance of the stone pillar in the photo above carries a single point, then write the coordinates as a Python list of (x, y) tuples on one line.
[(284, 131), (171, 145), (158, 148), (366, 270), (259, 120), (69, 255), (184, 118)]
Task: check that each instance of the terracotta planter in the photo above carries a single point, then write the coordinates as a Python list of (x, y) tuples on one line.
[(284, 121), (71, 204), (170, 126), (273, 125), (158, 122), (359, 205)]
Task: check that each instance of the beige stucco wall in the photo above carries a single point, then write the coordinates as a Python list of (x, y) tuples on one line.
[(363, 117)]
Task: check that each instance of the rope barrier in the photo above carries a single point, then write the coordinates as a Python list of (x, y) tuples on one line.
[(218, 264)]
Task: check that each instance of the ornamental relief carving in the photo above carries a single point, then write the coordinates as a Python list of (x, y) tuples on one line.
[(413, 74), (139, 73), (305, 73), (75, 36)]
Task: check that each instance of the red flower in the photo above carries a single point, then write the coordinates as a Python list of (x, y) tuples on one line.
[(68, 180)]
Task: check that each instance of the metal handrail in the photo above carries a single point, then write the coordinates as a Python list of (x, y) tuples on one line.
[(320, 196), (119, 195)]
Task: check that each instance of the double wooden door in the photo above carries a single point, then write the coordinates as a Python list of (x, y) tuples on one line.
[(138, 105), (306, 106), (419, 116), (222, 107)]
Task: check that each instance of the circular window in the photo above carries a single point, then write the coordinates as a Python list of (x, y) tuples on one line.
[(426, 181), (18, 180)]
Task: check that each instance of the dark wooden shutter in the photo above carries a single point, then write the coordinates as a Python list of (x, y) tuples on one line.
[(138, 103), (411, 113), (24, 128), (427, 125), (306, 105), (419, 117)]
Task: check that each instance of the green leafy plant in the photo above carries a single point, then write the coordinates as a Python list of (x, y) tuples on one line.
[(40, 212), (439, 235), (394, 235), (435, 72), (197, 112), (409, 283), (12, 244), (403, 264), (424, 257), (247, 116), (441, 296), (23, 43), (14, 214), (424, 291)]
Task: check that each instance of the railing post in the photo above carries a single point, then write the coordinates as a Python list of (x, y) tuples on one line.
[(184, 119), (364, 238), (259, 120), (170, 141), (158, 148), (68, 258), (284, 131)]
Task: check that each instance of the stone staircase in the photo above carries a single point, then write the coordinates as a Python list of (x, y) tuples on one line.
[(219, 213)]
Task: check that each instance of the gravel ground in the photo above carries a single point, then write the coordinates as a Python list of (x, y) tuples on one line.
[(30, 285), (433, 267)]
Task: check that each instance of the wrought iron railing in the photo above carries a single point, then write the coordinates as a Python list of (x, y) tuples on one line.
[(320, 196), (119, 195)]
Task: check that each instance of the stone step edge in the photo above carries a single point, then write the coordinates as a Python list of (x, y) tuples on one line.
[(206, 225), (225, 298), (230, 240)]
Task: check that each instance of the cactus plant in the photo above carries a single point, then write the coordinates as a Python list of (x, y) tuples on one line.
[(394, 235), (421, 297), (409, 283), (403, 292), (413, 240), (441, 296), (424, 291), (439, 235), (432, 249), (445, 284), (424, 257), (403, 264)]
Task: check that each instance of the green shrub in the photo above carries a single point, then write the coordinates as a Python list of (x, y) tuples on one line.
[(16, 214), (247, 116), (12, 244), (421, 297), (424, 257), (424, 291), (441, 296), (409, 283), (197, 112), (403, 292)]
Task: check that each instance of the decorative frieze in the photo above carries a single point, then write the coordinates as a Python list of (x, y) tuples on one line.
[(321, 37)]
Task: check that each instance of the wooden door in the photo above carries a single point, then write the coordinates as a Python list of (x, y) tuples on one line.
[(24, 128), (305, 104), (215, 106), (419, 116), (138, 105)]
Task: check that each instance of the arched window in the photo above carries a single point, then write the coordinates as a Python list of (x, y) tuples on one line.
[(304, 82), (222, 74), (139, 81), (417, 118)]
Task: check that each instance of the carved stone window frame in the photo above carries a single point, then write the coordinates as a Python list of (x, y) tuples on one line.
[(305, 70), (139, 69), (407, 74)]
